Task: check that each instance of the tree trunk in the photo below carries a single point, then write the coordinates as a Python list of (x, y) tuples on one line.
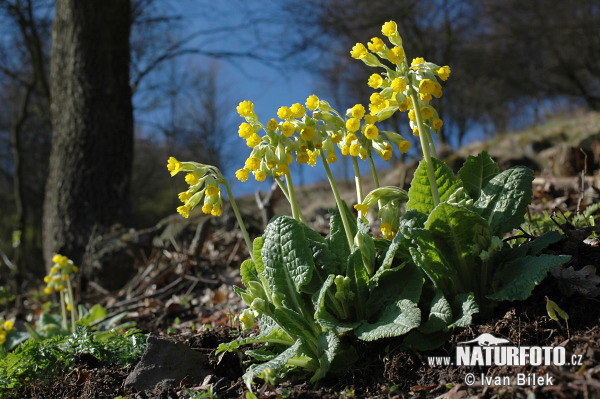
[(92, 122)]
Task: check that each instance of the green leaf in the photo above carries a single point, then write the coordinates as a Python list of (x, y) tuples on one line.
[(257, 253), (277, 363), (275, 336), (387, 285), (540, 243), (338, 242), (467, 307), (325, 310), (440, 315), (359, 283), (476, 173), (288, 262), (519, 277), (296, 324), (366, 245), (420, 197), (328, 348), (504, 200), (397, 319), (248, 272), (324, 259)]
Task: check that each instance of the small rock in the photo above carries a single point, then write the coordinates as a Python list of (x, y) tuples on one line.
[(166, 363)]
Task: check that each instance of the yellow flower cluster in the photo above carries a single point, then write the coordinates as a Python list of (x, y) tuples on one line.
[(204, 181), (305, 136), (5, 327), (397, 83), (59, 273)]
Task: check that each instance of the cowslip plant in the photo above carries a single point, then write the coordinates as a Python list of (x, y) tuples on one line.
[(59, 280), (430, 270)]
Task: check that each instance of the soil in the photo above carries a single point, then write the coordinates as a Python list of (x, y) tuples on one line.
[(189, 297)]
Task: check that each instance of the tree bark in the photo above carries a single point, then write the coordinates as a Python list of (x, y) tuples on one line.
[(92, 122)]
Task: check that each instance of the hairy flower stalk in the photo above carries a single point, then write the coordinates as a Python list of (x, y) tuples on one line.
[(339, 202), (292, 197), (357, 181), (238, 216)]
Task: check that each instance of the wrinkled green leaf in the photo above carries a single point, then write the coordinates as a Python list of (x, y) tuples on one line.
[(338, 242), (327, 308), (359, 284), (440, 315), (277, 363), (325, 261), (467, 307), (397, 319), (504, 200), (387, 285), (328, 348), (420, 197), (519, 277), (476, 173)]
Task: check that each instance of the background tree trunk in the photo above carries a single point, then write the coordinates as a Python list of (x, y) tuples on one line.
[(92, 120)]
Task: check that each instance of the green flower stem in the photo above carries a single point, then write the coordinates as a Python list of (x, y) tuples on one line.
[(373, 171), (292, 196), (357, 181), (287, 196), (240, 221), (338, 201), (72, 303), (431, 145), (63, 309), (425, 148)]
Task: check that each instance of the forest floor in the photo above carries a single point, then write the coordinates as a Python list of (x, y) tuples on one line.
[(184, 292)]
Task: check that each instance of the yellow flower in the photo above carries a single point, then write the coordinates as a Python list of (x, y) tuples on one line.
[(284, 112), (206, 208), (260, 175), (75, 269), (389, 28), (282, 169), (425, 97), (426, 86), (437, 90), (47, 279), (426, 112), (404, 146), (336, 138), (358, 111), (399, 85), (174, 166), (68, 307), (48, 290), (216, 210), (272, 124), (411, 115), (242, 174), (192, 178), (307, 133), (349, 138), (355, 149), (362, 208), (396, 55), (312, 102), (253, 140), (60, 288), (271, 163), (376, 45), (437, 123), (2, 337), (371, 132), (302, 157), (375, 81), (8, 325), (60, 259), (417, 61), (403, 106), (416, 131), (370, 119), (386, 155), (387, 231), (331, 158), (245, 109), (183, 210), (287, 129), (297, 110), (212, 191), (252, 163), (345, 150), (444, 72), (359, 51), (376, 98), (352, 124), (245, 130)]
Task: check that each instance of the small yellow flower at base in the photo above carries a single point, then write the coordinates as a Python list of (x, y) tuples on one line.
[(371, 132), (253, 140), (355, 149), (353, 124), (242, 174), (312, 102), (358, 111), (174, 166), (297, 110), (404, 146), (396, 55), (287, 129), (307, 133), (245, 109), (376, 45), (183, 210), (212, 191), (331, 158), (260, 175), (437, 123), (375, 81), (206, 208), (284, 112), (389, 28), (8, 325), (362, 208), (387, 231), (359, 51), (272, 124), (245, 130), (444, 72), (216, 211)]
